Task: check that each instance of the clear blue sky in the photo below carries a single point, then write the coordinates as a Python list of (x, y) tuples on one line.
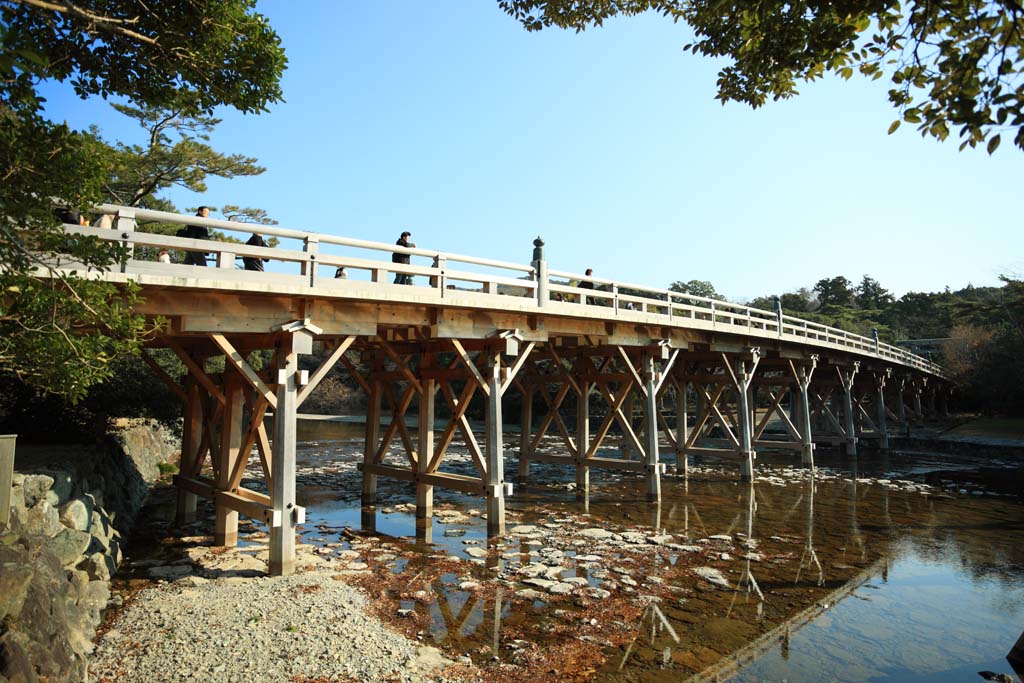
[(450, 120)]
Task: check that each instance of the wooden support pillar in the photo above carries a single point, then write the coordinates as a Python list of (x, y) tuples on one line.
[(747, 454), (282, 466), (651, 417), (373, 408), (882, 426), (495, 484), (191, 436), (525, 432), (583, 439), (682, 428), (915, 387), (225, 531), (807, 441), (424, 455), (846, 378), (901, 406)]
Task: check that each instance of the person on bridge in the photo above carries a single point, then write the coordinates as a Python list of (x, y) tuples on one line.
[(586, 284), (396, 257), (196, 232), (254, 262)]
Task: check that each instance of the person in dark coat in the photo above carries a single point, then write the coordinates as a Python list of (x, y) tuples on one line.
[(253, 262), (396, 257), (197, 232)]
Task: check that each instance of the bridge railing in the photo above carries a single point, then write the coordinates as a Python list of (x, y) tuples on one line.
[(307, 259)]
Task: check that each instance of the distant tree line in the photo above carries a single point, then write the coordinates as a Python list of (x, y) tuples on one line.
[(981, 328)]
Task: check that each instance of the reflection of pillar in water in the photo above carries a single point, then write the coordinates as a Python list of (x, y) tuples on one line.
[(498, 603), (809, 557), (656, 517)]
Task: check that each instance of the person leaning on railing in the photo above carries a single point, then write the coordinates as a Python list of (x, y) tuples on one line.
[(397, 257), (255, 262)]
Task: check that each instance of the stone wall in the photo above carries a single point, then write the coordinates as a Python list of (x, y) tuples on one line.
[(71, 509)]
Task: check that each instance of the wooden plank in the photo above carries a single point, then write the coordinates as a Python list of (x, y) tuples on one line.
[(200, 486), (244, 368), (456, 482), (470, 365), (196, 371), (244, 506)]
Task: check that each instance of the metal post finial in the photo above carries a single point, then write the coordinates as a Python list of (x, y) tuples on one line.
[(538, 249)]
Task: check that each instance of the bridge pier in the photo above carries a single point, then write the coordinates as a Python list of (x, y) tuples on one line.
[(882, 424), (582, 438), (651, 417), (495, 475), (282, 467), (191, 435), (226, 459), (806, 441), (425, 454), (846, 378)]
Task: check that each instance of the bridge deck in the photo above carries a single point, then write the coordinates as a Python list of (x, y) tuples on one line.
[(656, 366)]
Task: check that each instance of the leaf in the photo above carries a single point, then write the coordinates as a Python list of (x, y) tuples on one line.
[(894, 126), (993, 143)]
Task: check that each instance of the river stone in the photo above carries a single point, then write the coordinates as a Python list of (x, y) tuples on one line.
[(42, 519), (75, 515), (69, 545), (524, 530), (14, 582), (595, 533), (721, 537), (529, 594), (476, 552), (98, 566), (533, 570), (598, 593), (539, 583), (633, 537), (660, 540), (711, 575), (36, 486), (15, 665), (560, 588)]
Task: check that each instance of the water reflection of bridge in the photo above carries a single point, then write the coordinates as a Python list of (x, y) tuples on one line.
[(613, 370)]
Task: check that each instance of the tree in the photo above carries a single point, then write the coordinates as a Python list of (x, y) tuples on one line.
[(952, 65), (697, 288), (181, 55), (870, 294), (834, 291), (177, 153)]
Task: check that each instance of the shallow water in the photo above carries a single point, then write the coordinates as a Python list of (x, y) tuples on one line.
[(862, 574)]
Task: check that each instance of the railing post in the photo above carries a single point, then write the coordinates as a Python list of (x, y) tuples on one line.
[(540, 268), (777, 305), (311, 246), (615, 299), (439, 281), (124, 222)]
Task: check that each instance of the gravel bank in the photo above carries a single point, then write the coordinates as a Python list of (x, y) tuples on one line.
[(311, 626)]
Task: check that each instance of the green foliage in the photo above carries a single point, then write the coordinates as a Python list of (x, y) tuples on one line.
[(176, 154), (61, 335), (834, 291), (696, 288), (953, 65)]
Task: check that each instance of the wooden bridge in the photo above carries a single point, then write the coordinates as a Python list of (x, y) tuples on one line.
[(672, 374)]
